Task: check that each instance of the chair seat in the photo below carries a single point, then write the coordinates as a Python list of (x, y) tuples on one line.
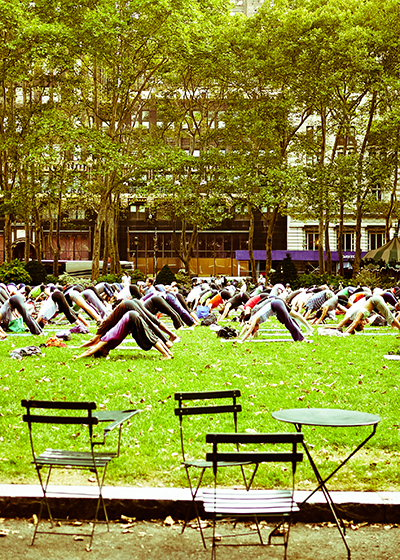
[(64, 458), (208, 464), (251, 502)]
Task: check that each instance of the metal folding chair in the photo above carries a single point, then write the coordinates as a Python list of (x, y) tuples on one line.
[(253, 504), (54, 415), (211, 409)]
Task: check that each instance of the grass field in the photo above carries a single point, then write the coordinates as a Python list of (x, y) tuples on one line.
[(348, 373)]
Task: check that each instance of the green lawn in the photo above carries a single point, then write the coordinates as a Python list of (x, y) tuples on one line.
[(330, 372)]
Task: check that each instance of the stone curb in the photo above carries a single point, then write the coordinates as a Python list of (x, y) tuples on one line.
[(22, 501)]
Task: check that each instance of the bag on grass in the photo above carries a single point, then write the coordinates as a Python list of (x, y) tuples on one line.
[(64, 335), (16, 325), (227, 332), (378, 321), (209, 320), (19, 353), (202, 311)]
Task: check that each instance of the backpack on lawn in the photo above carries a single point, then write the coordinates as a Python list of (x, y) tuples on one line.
[(209, 320), (227, 332)]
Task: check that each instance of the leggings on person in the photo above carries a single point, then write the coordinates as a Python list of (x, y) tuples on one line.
[(3, 295), (281, 312), (182, 301), (176, 306), (131, 322), (91, 296), (124, 307), (157, 304), (63, 306), (17, 302)]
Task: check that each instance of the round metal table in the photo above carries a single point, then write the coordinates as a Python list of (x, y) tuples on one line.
[(332, 418)]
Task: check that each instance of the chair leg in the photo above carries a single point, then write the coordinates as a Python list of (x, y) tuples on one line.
[(101, 501), (43, 501), (194, 494), (258, 530), (214, 546), (248, 484)]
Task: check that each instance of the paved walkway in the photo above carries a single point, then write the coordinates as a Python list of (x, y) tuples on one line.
[(157, 503), (147, 540)]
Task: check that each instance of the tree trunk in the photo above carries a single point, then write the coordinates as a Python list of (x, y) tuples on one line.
[(271, 222), (55, 252), (7, 238), (321, 256), (38, 234), (388, 218), (97, 239), (340, 238), (328, 249), (357, 256), (27, 246), (361, 197), (118, 268), (182, 247), (106, 248), (321, 228), (251, 245)]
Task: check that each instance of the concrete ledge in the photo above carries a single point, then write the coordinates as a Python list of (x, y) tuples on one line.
[(77, 502)]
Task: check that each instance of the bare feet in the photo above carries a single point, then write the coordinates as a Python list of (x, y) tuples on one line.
[(99, 347), (90, 342)]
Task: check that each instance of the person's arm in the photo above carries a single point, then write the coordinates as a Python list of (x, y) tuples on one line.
[(324, 313), (357, 320)]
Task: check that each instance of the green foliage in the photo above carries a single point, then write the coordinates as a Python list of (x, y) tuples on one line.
[(109, 278), (66, 280), (289, 271), (50, 279), (183, 280), (308, 280), (165, 276), (14, 271), (136, 275), (36, 271), (369, 278), (276, 277)]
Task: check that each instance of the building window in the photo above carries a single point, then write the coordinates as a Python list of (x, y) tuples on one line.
[(138, 212), (376, 239), (185, 144), (376, 191), (76, 214), (348, 241), (311, 240)]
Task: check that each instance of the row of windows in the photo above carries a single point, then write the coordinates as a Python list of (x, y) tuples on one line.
[(375, 240), (210, 245)]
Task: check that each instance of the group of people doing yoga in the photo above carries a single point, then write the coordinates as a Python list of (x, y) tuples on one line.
[(124, 308)]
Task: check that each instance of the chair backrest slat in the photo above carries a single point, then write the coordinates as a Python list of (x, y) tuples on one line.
[(59, 405), (256, 457), (199, 395), (206, 409), (216, 409), (239, 438), (43, 419)]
